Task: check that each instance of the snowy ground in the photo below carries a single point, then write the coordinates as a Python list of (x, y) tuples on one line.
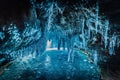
[(52, 65)]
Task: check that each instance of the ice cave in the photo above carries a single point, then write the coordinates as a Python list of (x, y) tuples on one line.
[(59, 40)]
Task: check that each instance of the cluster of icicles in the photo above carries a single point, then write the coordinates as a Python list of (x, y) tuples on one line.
[(78, 28), (88, 25)]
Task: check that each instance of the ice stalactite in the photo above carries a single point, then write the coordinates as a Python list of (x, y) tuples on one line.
[(112, 45), (118, 41), (97, 15), (95, 56), (50, 16), (106, 33), (83, 34)]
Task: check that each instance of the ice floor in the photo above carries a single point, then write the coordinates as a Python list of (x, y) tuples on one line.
[(52, 65)]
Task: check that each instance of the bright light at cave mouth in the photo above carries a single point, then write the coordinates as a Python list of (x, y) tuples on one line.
[(50, 47)]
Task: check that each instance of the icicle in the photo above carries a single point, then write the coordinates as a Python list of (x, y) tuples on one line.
[(118, 43), (97, 14), (50, 18), (70, 56), (95, 57), (111, 49), (106, 33), (83, 34), (112, 45), (89, 33)]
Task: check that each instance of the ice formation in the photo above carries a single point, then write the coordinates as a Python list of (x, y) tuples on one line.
[(82, 28)]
